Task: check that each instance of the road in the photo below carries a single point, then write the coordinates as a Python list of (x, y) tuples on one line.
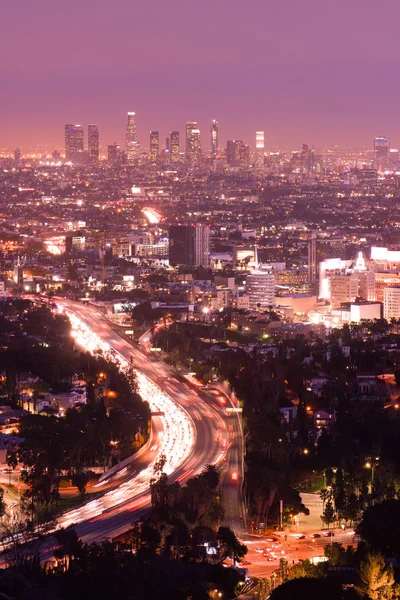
[(190, 427)]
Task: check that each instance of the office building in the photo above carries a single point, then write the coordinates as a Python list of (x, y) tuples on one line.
[(17, 158), (391, 303), (312, 259), (235, 153), (260, 287), (114, 157), (154, 147), (214, 139), (189, 245), (93, 143), (74, 142), (174, 146), (259, 155), (193, 147), (381, 153), (131, 142)]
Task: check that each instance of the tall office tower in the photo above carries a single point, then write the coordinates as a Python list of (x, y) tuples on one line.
[(114, 155), (193, 149), (174, 146), (73, 141), (154, 147), (381, 153), (131, 142), (260, 286), (259, 155), (312, 259), (235, 153), (245, 156), (93, 143), (167, 144), (202, 245), (17, 158), (214, 138), (189, 245)]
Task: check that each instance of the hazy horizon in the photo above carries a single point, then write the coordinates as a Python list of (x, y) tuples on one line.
[(310, 72)]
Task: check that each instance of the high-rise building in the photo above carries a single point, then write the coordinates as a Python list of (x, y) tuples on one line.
[(73, 141), (154, 147), (312, 259), (93, 143), (174, 146), (235, 153), (189, 245), (391, 303), (193, 148), (214, 138), (202, 245), (381, 153), (260, 286), (259, 155), (17, 158), (131, 141), (114, 155)]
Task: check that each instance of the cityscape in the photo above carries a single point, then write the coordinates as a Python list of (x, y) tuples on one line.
[(199, 302)]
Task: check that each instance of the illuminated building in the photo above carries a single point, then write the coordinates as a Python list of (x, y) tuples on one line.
[(259, 155), (312, 259), (74, 242), (189, 245), (345, 284), (391, 303), (385, 279), (114, 155), (93, 143), (193, 148), (19, 275), (154, 147), (174, 146), (73, 141), (235, 153), (260, 287), (17, 158), (214, 138), (131, 142), (381, 153)]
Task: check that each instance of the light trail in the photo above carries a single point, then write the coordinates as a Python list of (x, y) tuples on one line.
[(177, 438)]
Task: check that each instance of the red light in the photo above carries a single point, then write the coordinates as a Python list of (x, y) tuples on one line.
[(234, 476)]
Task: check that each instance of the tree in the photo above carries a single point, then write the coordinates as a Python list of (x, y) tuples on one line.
[(328, 515), (230, 545), (307, 588), (380, 527), (376, 579)]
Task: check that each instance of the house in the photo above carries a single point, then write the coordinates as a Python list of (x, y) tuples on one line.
[(324, 419), (289, 413)]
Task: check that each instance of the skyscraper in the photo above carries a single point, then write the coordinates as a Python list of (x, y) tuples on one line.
[(154, 147), (235, 155), (312, 259), (193, 149), (189, 245), (381, 153), (114, 155), (17, 158), (214, 138), (93, 143), (260, 286), (131, 142), (174, 146), (73, 141), (259, 155)]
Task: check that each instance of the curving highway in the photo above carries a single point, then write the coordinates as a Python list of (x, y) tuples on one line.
[(188, 426)]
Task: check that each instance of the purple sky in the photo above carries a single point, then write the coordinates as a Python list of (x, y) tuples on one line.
[(302, 70)]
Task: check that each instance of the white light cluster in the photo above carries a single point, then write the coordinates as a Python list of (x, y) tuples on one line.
[(176, 441)]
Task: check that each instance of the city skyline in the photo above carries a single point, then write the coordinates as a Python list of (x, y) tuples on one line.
[(299, 73)]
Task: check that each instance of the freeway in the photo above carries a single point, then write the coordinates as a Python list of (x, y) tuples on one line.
[(189, 427)]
